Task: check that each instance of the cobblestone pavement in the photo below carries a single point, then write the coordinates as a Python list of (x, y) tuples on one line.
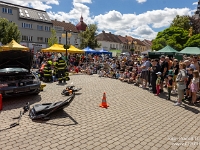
[(136, 119)]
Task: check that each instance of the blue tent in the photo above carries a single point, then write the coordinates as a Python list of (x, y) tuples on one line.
[(103, 51), (89, 50)]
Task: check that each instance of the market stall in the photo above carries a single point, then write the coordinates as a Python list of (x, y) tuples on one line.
[(73, 49), (57, 48), (13, 45)]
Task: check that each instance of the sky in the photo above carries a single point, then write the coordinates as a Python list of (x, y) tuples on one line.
[(141, 19)]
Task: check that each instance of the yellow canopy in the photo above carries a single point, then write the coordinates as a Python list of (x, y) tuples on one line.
[(73, 49), (55, 48), (13, 45)]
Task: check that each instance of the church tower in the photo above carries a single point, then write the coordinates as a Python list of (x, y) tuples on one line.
[(197, 13)]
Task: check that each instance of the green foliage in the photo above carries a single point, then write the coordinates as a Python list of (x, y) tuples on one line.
[(193, 41), (175, 37), (181, 22), (53, 39), (8, 31), (88, 37), (66, 46)]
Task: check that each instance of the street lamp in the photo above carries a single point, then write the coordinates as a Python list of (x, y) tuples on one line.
[(68, 34), (131, 49)]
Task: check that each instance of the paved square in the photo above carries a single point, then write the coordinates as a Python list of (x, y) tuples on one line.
[(136, 119)]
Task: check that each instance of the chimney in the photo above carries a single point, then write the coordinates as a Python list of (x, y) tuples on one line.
[(63, 21), (103, 31), (55, 19), (109, 32)]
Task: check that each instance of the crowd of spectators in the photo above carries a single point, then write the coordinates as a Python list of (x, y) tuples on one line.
[(179, 77)]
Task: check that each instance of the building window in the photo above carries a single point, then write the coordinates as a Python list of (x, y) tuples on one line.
[(7, 10), (46, 28), (27, 38), (40, 39), (39, 27), (27, 25), (46, 40), (59, 40)]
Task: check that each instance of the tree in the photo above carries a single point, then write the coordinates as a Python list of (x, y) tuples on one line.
[(175, 37), (195, 24), (53, 39), (193, 41), (8, 31), (181, 22), (88, 37)]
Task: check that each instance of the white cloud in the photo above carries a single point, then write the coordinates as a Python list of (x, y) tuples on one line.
[(37, 4), (82, 1), (195, 3), (141, 1), (138, 25), (74, 14)]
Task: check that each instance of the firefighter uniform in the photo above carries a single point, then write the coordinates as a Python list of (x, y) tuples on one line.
[(47, 72), (61, 70)]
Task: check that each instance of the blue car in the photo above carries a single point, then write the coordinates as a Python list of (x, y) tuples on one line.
[(16, 77)]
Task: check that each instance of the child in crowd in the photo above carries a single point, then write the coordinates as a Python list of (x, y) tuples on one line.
[(137, 80), (194, 86), (117, 75), (158, 82), (126, 76), (101, 73), (121, 77), (169, 85), (133, 77), (111, 73), (189, 79)]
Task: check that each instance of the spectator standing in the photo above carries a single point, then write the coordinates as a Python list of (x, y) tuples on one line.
[(181, 84), (144, 67), (163, 70), (175, 68), (194, 86), (154, 69), (158, 81)]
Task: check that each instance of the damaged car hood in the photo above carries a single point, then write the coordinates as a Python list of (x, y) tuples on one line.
[(16, 59)]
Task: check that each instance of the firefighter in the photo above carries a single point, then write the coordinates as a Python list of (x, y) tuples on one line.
[(55, 76), (61, 69), (47, 76)]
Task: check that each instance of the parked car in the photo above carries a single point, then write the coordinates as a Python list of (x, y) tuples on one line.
[(15, 73)]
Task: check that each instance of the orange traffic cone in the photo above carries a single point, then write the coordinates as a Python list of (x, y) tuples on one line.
[(104, 103), (1, 104)]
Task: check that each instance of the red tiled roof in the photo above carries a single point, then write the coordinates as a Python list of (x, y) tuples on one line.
[(108, 37), (123, 39), (67, 26), (147, 42), (131, 39)]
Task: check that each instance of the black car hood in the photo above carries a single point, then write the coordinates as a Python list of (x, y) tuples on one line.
[(16, 59)]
